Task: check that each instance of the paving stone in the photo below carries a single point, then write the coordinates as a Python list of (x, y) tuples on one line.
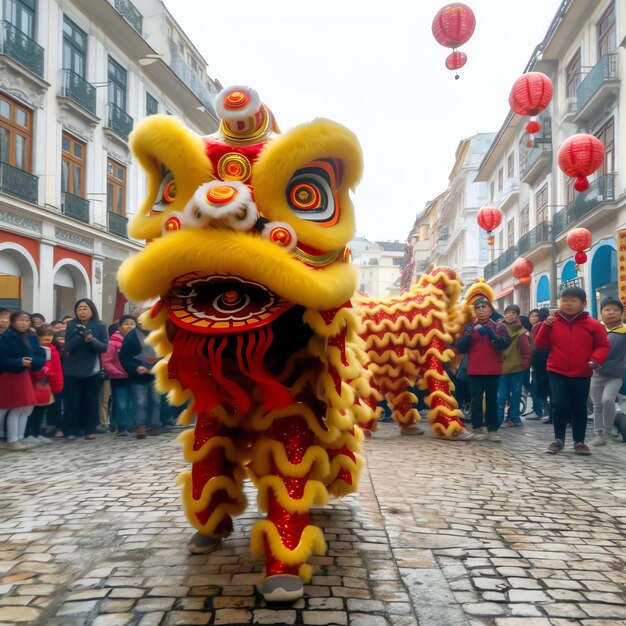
[(267, 616), (233, 616), (120, 619), (325, 617), (18, 614)]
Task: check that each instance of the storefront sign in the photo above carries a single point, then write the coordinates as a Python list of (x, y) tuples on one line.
[(621, 264)]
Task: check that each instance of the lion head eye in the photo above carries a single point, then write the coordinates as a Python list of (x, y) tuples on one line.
[(311, 193), (167, 192)]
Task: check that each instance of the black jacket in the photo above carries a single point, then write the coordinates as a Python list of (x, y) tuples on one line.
[(82, 358), (134, 353), (13, 349)]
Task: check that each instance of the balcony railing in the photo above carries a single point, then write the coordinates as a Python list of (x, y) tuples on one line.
[(117, 224), (21, 48), (75, 207), (130, 13), (18, 183), (606, 69), (542, 152), (601, 190), (204, 90), (501, 263), (538, 235), (119, 121), (76, 88)]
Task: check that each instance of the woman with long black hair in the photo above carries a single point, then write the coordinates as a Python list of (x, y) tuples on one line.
[(86, 338)]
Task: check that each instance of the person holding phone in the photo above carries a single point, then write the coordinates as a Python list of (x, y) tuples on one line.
[(20, 354), (86, 338), (578, 345)]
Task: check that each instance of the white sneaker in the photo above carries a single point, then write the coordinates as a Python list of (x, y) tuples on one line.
[(462, 435), (601, 439), (494, 436), (31, 441), (480, 434), (43, 440), (16, 446)]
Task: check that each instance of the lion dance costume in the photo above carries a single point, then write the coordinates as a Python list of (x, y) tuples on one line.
[(408, 339), (246, 236)]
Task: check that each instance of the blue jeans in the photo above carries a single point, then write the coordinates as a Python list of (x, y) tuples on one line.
[(510, 390), (119, 391), (145, 404)]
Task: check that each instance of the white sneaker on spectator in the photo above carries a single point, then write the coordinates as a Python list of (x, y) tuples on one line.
[(601, 439), (480, 434), (30, 441), (43, 440), (494, 436)]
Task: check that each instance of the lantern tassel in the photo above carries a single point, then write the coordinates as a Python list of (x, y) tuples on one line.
[(581, 183)]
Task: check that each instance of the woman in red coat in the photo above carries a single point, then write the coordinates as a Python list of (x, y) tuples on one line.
[(48, 382), (20, 354)]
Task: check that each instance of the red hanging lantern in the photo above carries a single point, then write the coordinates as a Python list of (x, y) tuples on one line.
[(579, 157), (578, 239), (489, 218), (522, 270), (530, 95), (453, 25)]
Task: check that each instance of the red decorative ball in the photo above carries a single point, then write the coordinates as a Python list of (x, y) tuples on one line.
[(522, 268), (455, 60), (531, 93), (533, 127), (453, 25), (580, 258)]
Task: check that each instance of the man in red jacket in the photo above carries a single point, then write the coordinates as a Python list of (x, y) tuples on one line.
[(578, 344)]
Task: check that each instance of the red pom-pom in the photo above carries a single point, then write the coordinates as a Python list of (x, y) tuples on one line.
[(581, 183), (580, 258), (533, 127)]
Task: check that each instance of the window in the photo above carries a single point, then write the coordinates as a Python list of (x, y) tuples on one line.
[(16, 134), (72, 166), (500, 179), (396, 261), (524, 221), (606, 135), (510, 233), (20, 13), (510, 165), (152, 105), (116, 187), (572, 76), (117, 84), (607, 32), (541, 204), (74, 48)]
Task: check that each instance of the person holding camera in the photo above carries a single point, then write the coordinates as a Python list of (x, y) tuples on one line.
[(86, 338)]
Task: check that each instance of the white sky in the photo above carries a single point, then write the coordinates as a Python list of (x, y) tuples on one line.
[(374, 67)]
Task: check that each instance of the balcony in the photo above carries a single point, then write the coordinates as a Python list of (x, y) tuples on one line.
[(21, 48), (18, 183), (498, 265), (117, 224), (509, 194), (204, 90), (75, 207), (536, 160), (75, 88), (598, 88), (539, 235), (130, 13), (119, 121), (601, 190)]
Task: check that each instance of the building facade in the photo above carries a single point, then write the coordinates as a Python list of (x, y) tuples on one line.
[(583, 54), (378, 266), (75, 77)]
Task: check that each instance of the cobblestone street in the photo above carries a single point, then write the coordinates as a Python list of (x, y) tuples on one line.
[(440, 534)]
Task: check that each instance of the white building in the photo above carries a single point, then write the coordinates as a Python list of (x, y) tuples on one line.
[(378, 265), (75, 77)]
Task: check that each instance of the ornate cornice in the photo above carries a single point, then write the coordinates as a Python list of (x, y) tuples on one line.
[(6, 217), (73, 238)]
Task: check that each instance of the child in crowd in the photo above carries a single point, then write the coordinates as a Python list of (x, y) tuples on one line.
[(607, 379), (48, 382), (483, 341), (20, 354), (578, 345)]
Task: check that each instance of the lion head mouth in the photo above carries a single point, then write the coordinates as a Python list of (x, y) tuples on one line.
[(222, 304)]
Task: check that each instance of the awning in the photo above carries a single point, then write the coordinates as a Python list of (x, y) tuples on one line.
[(505, 292)]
